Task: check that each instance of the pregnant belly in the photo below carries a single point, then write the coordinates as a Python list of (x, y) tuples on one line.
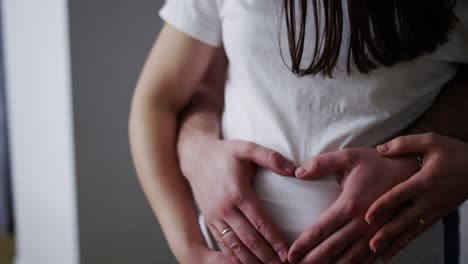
[(295, 204)]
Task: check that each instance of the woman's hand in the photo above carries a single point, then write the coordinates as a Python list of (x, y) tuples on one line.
[(438, 188), (221, 180), (341, 235)]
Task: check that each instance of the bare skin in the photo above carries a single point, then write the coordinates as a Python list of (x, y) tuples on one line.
[(159, 97), (438, 188)]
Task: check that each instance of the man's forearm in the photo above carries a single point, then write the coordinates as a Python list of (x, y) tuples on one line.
[(202, 117), (200, 120), (447, 116)]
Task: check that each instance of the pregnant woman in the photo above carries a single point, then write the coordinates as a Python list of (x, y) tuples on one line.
[(304, 78)]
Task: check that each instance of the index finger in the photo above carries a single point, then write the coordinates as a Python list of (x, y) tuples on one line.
[(324, 164), (409, 144), (267, 158)]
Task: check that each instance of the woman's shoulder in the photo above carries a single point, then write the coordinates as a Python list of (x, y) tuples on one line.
[(198, 19)]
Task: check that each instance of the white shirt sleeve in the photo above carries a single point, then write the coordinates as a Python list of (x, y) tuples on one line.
[(197, 18)]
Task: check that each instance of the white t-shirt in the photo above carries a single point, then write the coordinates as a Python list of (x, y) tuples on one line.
[(305, 116)]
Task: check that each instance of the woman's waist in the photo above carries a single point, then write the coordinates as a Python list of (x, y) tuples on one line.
[(271, 186), (294, 204)]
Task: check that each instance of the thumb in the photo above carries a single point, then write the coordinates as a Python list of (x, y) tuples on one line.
[(266, 158), (324, 164), (406, 145)]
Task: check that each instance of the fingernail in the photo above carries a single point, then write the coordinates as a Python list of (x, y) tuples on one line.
[(382, 148), (300, 172), (370, 219), (288, 166), (283, 257), (375, 247)]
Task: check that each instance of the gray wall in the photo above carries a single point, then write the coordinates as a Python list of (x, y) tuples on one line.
[(109, 43)]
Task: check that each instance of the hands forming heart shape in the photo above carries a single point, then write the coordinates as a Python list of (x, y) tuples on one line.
[(224, 194)]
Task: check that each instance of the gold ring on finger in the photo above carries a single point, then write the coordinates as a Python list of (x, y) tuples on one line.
[(421, 220), (225, 231)]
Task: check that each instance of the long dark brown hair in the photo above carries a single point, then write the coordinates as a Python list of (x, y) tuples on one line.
[(382, 32)]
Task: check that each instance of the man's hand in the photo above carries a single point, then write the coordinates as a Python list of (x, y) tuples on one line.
[(341, 235), (221, 180), (221, 173), (438, 188)]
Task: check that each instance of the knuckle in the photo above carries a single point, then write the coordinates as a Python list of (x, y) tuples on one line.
[(273, 156), (316, 163), (221, 211), (351, 208), (318, 232), (327, 251), (348, 155), (252, 242), (224, 210), (235, 197), (221, 243), (400, 142), (234, 246), (262, 226), (249, 147)]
